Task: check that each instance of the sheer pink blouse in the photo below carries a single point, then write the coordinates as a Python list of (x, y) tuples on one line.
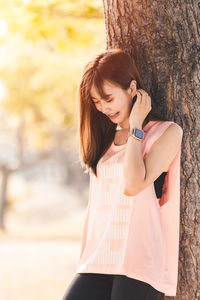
[(137, 236)]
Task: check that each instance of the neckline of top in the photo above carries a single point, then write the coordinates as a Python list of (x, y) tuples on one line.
[(123, 145)]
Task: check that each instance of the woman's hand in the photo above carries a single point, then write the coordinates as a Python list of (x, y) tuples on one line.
[(140, 109)]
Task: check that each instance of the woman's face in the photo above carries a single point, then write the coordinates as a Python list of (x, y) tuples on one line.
[(117, 101)]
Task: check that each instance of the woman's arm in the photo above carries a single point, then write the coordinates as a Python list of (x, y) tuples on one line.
[(139, 173)]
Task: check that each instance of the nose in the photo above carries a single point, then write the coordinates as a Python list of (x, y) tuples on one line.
[(104, 107)]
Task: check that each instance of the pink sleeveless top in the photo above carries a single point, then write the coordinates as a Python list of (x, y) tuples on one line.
[(136, 236)]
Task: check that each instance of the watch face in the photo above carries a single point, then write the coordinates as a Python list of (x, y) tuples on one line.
[(139, 133)]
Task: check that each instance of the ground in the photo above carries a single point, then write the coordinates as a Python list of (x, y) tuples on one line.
[(39, 250), (34, 269)]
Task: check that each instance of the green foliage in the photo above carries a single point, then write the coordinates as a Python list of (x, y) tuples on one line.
[(41, 58), (62, 22)]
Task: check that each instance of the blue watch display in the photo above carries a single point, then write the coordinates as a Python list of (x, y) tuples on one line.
[(138, 134)]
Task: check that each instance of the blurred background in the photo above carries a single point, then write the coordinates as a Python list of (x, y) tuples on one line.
[(44, 46)]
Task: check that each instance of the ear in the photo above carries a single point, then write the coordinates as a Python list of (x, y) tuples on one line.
[(132, 88)]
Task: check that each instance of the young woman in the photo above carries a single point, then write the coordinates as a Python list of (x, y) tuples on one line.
[(129, 244)]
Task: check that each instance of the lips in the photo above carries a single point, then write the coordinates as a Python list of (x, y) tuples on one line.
[(112, 117)]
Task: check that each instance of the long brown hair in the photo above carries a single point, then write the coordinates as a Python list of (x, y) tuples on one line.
[(96, 130)]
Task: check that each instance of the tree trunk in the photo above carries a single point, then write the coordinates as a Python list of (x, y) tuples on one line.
[(5, 174), (163, 38)]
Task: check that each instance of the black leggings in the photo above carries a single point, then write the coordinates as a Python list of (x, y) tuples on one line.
[(93, 286)]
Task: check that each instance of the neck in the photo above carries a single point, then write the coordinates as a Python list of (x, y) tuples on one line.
[(125, 126)]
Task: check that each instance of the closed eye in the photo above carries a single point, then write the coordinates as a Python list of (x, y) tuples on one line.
[(96, 102)]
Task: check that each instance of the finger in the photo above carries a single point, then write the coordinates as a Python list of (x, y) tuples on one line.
[(143, 100), (139, 97), (149, 103), (149, 100), (146, 99), (139, 92), (143, 92)]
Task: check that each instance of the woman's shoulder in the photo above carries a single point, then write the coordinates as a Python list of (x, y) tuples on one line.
[(169, 123), (170, 128), (173, 126)]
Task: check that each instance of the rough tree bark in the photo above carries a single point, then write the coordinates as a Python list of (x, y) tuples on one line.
[(163, 38)]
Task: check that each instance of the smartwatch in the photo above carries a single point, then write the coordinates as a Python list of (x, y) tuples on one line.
[(137, 134)]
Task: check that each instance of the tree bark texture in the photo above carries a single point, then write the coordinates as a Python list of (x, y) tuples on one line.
[(163, 37)]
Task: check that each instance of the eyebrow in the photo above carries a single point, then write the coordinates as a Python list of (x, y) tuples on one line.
[(108, 95)]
